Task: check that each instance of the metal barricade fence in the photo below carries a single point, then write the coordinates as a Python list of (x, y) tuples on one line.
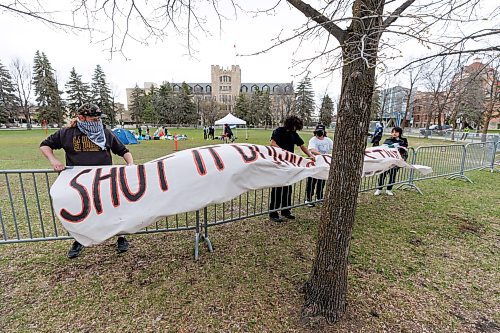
[(26, 213), (479, 156), (445, 160)]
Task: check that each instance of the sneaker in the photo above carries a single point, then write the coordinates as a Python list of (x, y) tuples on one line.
[(389, 192), (122, 244), (309, 203), (274, 218), (75, 250), (377, 192), (289, 216)]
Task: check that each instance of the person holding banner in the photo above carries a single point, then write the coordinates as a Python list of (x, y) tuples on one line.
[(395, 141), (319, 144), (286, 137), (86, 143)]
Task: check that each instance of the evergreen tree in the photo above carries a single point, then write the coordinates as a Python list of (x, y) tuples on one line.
[(304, 100), (265, 111), (78, 92), (101, 95), (256, 106), (137, 105), (48, 96), (150, 114), (164, 104), (187, 107), (242, 107), (8, 99), (326, 111)]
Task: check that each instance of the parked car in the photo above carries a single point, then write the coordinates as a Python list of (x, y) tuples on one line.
[(440, 127), (436, 130)]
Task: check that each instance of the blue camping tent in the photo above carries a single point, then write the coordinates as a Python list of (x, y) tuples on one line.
[(125, 136)]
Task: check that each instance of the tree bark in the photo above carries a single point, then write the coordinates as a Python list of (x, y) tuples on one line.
[(326, 289)]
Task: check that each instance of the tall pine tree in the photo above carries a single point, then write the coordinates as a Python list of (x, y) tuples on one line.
[(137, 104), (77, 91), (187, 106), (304, 100), (242, 108), (150, 114), (326, 111), (48, 96), (265, 112), (8, 99), (101, 95)]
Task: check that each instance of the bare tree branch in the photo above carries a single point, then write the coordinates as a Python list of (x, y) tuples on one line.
[(316, 16)]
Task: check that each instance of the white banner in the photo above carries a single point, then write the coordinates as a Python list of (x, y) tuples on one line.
[(96, 203)]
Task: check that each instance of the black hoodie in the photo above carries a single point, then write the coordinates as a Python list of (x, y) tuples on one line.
[(402, 142)]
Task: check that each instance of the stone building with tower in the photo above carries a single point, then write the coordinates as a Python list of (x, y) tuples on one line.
[(225, 86)]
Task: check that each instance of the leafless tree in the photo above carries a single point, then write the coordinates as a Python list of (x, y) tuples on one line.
[(440, 80), (493, 92), (354, 35), (21, 74), (209, 111), (414, 76)]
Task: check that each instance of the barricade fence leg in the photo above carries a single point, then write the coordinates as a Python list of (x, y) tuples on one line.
[(410, 185), (204, 237), (461, 174), (197, 237)]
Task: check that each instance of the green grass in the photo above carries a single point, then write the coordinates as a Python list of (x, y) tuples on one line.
[(19, 148), (417, 264)]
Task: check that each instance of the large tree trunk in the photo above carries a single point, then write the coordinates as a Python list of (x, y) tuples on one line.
[(326, 289)]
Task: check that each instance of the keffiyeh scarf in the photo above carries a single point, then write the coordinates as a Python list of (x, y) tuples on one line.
[(94, 131)]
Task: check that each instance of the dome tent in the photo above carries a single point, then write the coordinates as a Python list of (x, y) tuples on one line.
[(125, 136)]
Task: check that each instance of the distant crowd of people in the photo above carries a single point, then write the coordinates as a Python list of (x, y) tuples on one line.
[(227, 133)]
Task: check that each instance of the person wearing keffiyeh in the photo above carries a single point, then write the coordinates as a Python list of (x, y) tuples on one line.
[(86, 143)]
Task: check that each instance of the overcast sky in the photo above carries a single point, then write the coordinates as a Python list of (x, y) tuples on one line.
[(168, 60)]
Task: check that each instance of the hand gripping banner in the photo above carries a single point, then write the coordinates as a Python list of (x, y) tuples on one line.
[(96, 203)]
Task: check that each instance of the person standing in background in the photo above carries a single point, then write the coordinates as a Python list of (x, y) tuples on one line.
[(205, 132), (377, 134), (319, 144)]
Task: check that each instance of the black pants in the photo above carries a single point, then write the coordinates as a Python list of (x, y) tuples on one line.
[(314, 185), (392, 178), (281, 197)]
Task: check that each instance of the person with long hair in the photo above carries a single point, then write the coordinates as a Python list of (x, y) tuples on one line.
[(395, 141), (286, 137), (86, 142)]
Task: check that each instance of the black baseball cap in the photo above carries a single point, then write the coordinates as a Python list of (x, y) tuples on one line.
[(320, 127), (89, 110)]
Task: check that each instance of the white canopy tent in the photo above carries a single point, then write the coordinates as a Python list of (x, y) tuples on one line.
[(233, 120)]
